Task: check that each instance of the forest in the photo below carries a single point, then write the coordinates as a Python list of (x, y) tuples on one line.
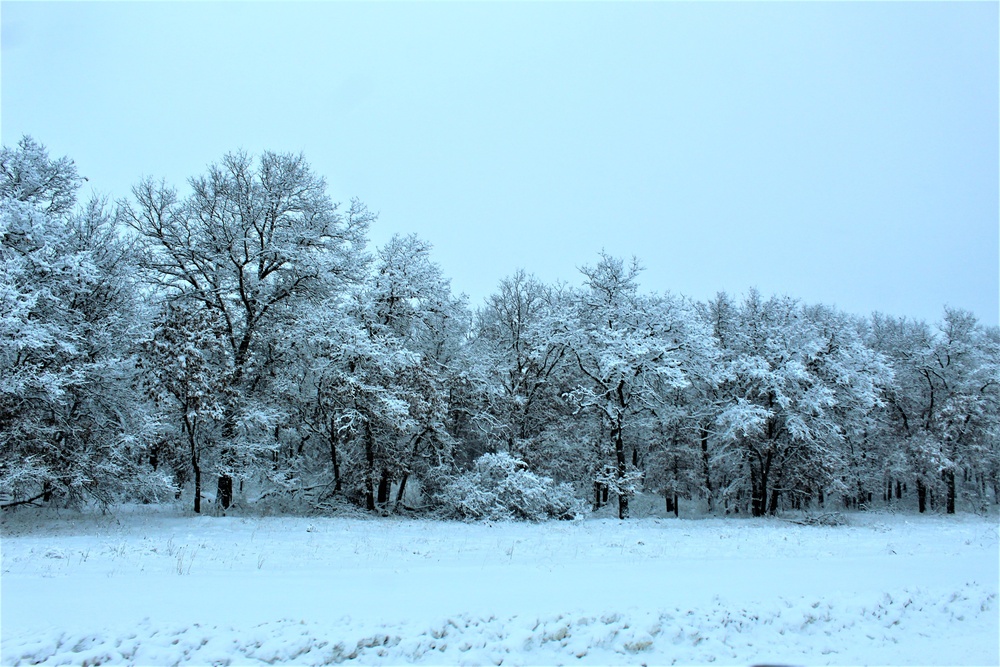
[(237, 345)]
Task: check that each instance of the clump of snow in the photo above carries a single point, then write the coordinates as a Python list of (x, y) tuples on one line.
[(150, 588), (902, 629)]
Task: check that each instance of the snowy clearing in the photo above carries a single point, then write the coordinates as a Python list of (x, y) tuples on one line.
[(152, 587)]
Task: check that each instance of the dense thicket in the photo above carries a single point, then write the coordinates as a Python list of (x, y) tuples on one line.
[(240, 344)]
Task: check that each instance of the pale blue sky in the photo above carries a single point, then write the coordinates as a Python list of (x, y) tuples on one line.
[(844, 153)]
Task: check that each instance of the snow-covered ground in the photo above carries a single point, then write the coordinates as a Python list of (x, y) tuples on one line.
[(154, 587)]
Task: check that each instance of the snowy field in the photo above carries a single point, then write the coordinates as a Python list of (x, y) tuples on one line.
[(154, 587)]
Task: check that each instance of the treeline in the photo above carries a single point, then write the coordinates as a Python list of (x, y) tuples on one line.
[(242, 343)]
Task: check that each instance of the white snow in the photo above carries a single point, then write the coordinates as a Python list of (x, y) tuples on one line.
[(154, 587)]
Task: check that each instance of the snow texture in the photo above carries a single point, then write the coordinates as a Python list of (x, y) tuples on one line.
[(149, 587)]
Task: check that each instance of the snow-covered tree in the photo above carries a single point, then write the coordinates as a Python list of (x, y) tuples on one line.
[(374, 381), (408, 305), (795, 383), (256, 242), (187, 374), (676, 457), (352, 395), (857, 378), (68, 420), (628, 357), (944, 403), (521, 340), (29, 176)]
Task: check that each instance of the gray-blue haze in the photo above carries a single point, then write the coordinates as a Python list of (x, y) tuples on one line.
[(844, 153)]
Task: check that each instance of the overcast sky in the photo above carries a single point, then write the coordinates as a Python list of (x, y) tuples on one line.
[(843, 153)]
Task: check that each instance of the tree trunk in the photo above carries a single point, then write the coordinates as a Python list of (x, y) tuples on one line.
[(622, 505), (670, 502), (754, 490), (598, 492), (225, 491), (333, 456), (921, 496), (899, 490), (773, 509), (949, 480), (706, 469), (383, 489), (402, 488), (758, 495), (195, 466), (224, 487), (621, 469), (370, 476)]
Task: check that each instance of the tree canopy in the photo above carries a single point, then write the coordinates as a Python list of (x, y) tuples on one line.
[(246, 332)]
